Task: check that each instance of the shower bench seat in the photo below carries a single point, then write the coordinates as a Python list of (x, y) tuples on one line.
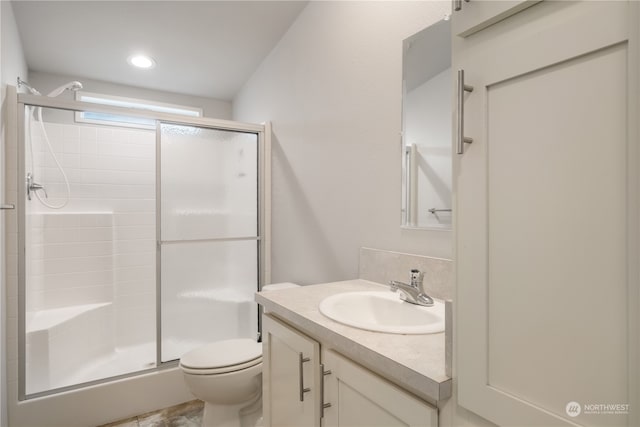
[(60, 340)]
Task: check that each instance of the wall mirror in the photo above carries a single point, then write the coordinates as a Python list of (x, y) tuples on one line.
[(426, 128)]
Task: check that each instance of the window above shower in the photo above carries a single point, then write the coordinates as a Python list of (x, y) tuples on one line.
[(102, 118)]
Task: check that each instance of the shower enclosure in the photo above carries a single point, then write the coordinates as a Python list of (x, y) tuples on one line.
[(158, 248)]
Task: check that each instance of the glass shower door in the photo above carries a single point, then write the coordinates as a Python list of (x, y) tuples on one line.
[(88, 243), (208, 236)]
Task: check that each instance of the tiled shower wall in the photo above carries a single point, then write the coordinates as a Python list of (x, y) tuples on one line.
[(70, 260), (112, 176)]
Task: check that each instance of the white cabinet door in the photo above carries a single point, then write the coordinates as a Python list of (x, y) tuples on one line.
[(290, 377), (359, 398), (547, 217), (475, 15)]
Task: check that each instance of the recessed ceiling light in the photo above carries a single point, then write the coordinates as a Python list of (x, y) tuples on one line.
[(141, 61)]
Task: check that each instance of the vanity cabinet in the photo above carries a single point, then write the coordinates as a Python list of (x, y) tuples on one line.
[(547, 216), (337, 392), (290, 376)]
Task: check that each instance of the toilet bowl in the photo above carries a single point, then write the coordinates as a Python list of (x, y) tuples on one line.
[(227, 376)]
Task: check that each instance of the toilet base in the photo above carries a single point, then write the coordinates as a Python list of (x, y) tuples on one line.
[(245, 414)]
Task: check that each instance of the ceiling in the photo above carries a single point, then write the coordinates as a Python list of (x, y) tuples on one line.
[(201, 48)]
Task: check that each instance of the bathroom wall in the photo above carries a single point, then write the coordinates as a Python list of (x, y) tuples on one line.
[(46, 82), (12, 65), (332, 89)]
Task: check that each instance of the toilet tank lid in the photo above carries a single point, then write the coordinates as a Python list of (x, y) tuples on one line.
[(222, 353)]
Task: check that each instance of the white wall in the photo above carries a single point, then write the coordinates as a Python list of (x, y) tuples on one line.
[(332, 89), (46, 82), (12, 65)]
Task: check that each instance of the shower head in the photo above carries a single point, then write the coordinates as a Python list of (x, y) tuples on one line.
[(73, 86)]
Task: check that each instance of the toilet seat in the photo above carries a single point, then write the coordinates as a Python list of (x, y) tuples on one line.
[(222, 357)]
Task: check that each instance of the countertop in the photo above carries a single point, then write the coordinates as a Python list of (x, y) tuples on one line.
[(413, 362)]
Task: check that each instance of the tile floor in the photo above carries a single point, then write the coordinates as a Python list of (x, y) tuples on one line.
[(187, 414)]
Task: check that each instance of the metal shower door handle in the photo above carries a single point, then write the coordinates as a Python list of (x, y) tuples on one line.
[(460, 138)]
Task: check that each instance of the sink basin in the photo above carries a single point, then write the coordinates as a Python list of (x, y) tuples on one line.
[(383, 312)]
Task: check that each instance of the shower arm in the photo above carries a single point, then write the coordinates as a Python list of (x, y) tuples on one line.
[(30, 89)]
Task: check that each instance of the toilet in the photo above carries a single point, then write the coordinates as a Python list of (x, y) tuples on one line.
[(227, 376)]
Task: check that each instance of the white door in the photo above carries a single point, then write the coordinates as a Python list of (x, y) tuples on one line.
[(359, 398), (290, 376), (547, 217)]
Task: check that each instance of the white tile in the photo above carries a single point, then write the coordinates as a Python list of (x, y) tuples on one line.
[(90, 161), (78, 264), (121, 135), (69, 132), (71, 146), (134, 246), (68, 160), (141, 206), (88, 147), (134, 260), (134, 218), (88, 133), (104, 134), (64, 250), (140, 192), (140, 300), (134, 273), (80, 279), (135, 232), (147, 286)]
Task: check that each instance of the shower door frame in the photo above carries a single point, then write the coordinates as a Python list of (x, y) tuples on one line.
[(263, 238)]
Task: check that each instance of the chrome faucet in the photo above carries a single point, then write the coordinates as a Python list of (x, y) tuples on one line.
[(414, 291)]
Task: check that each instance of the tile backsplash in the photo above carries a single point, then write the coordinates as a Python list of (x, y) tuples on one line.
[(382, 266)]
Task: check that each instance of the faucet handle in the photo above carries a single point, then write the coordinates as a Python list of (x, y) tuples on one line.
[(416, 278)]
